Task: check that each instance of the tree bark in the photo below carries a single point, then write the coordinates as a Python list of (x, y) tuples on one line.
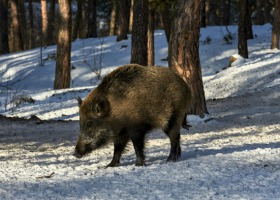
[(22, 19), (63, 60), (184, 50), (44, 22), (203, 14), (83, 25), (77, 20), (16, 34), (276, 26), (226, 12), (139, 54), (151, 49), (113, 18), (242, 29), (131, 16), (4, 27), (31, 25), (51, 24), (92, 22), (249, 21), (259, 12), (166, 18), (123, 20)]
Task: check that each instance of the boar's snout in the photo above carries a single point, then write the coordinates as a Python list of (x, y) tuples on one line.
[(82, 149)]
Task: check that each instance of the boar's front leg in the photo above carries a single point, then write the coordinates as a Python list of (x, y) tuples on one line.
[(137, 136), (120, 142), (138, 144)]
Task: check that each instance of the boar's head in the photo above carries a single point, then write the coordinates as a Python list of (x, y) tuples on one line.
[(94, 130)]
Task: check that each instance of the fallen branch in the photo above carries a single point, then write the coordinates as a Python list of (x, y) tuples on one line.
[(47, 176)]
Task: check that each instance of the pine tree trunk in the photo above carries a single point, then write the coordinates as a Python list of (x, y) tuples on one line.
[(22, 19), (16, 34), (63, 60), (151, 28), (83, 27), (92, 22), (184, 51), (113, 18), (249, 21), (259, 12), (166, 18), (242, 29), (276, 26), (77, 20), (218, 12), (51, 24), (44, 22), (203, 14), (139, 54), (131, 16), (123, 20), (31, 25), (226, 12), (4, 27)]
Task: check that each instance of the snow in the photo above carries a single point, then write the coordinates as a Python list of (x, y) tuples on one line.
[(232, 153)]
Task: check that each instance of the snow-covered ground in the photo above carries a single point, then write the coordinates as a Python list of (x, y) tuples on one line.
[(231, 154)]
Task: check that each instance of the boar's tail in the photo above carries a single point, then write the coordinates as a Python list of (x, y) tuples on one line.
[(185, 124)]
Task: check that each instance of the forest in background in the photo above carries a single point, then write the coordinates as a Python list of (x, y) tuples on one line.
[(98, 18), (29, 24)]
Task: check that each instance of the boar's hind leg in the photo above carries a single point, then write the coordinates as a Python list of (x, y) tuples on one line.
[(120, 143), (173, 132), (138, 139)]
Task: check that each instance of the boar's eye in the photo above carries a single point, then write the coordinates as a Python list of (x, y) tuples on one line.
[(89, 124)]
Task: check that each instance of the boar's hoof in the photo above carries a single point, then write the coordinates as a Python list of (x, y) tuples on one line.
[(77, 155), (113, 164), (174, 157), (140, 162)]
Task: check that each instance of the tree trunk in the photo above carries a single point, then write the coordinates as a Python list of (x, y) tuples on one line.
[(113, 18), (51, 24), (44, 22), (92, 22), (184, 51), (203, 14), (77, 20), (249, 21), (131, 16), (31, 25), (242, 29), (276, 26), (226, 12), (217, 12), (166, 18), (259, 12), (16, 34), (139, 54), (267, 10), (83, 27), (22, 19), (4, 27), (63, 60), (123, 20), (151, 28)]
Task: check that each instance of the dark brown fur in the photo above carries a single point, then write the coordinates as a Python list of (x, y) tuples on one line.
[(129, 102)]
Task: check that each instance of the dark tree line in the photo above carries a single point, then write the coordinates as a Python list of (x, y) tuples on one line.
[(180, 19)]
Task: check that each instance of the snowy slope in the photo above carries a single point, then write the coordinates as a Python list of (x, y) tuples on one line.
[(234, 154)]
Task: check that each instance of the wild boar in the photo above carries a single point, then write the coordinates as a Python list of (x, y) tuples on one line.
[(127, 104)]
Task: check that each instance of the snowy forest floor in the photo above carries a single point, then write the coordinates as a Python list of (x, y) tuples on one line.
[(234, 155)]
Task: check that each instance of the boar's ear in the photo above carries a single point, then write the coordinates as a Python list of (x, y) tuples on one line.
[(101, 107), (80, 101)]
